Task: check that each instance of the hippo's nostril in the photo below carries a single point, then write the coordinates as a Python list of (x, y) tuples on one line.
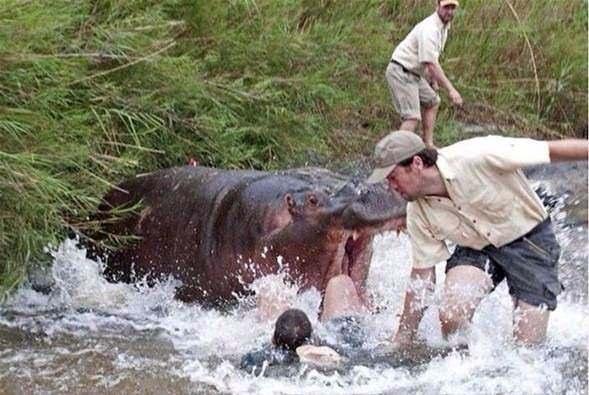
[(312, 199), (290, 202)]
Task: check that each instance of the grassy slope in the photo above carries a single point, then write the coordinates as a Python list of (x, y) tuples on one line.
[(92, 91)]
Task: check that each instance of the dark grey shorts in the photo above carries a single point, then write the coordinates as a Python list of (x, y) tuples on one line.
[(530, 265)]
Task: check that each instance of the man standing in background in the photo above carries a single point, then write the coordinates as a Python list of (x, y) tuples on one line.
[(414, 73)]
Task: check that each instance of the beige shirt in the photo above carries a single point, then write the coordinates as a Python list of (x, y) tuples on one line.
[(491, 201), (424, 43)]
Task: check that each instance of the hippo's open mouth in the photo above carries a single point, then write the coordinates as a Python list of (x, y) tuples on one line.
[(350, 248), (354, 252), (352, 258)]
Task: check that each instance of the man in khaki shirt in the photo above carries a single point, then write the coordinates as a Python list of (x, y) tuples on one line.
[(474, 195), (414, 72)]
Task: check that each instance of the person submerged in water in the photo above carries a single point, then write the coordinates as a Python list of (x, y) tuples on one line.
[(293, 339)]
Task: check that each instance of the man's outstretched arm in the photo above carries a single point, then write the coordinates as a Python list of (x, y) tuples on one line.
[(568, 149)]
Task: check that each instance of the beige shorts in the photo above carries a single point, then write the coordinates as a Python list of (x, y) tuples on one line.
[(409, 92)]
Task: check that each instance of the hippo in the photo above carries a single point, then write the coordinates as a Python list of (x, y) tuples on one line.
[(218, 230)]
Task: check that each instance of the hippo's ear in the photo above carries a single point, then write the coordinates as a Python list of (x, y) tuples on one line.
[(276, 220)]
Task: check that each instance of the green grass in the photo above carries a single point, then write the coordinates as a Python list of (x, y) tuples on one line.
[(94, 91)]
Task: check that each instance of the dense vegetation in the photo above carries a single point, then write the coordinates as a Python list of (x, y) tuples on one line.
[(92, 91)]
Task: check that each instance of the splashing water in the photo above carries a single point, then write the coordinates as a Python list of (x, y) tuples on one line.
[(89, 335)]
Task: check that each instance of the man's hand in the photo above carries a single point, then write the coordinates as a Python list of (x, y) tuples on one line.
[(318, 355), (455, 97)]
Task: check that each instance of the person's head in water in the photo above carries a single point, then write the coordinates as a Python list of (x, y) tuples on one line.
[(293, 329)]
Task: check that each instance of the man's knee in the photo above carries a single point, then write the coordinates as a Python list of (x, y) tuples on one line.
[(464, 289), (409, 123), (431, 105), (431, 109), (429, 99), (454, 318)]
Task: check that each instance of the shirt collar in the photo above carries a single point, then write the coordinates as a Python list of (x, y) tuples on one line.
[(445, 168), (448, 174)]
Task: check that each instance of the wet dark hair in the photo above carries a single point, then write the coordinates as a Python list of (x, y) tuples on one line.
[(429, 156), (293, 329)]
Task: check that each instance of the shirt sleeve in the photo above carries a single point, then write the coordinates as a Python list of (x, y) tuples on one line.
[(427, 46), (510, 154), (426, 250)]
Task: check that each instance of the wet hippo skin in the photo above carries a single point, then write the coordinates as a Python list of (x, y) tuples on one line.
[(218, 230)]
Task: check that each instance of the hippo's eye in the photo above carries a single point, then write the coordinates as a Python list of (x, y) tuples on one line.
[(312, 199)]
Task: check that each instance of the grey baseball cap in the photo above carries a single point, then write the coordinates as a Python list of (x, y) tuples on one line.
[(391, 150)]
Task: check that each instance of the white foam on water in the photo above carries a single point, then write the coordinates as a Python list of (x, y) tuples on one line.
[(206, 345)]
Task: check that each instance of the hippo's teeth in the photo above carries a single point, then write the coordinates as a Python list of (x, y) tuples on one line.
[(355, 235)]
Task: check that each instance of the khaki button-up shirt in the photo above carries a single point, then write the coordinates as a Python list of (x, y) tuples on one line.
[(491, 201), (424, 43)]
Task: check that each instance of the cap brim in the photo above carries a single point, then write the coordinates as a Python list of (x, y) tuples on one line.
[(380, 174), (444, 3)]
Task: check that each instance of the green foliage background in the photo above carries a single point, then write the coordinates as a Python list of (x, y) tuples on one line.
[(94, 91)]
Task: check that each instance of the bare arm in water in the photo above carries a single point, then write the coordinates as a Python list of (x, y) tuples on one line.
[(414, 306)]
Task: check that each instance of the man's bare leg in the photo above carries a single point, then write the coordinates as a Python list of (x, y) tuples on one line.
[(464, 288), (341, 299), (529, 323), (409, 124), (428, 120)]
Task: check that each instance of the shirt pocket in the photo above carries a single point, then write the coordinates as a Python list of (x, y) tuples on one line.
[(447, 226), (495, 204)]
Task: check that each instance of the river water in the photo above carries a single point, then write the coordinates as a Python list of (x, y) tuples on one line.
[(90, 336)]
